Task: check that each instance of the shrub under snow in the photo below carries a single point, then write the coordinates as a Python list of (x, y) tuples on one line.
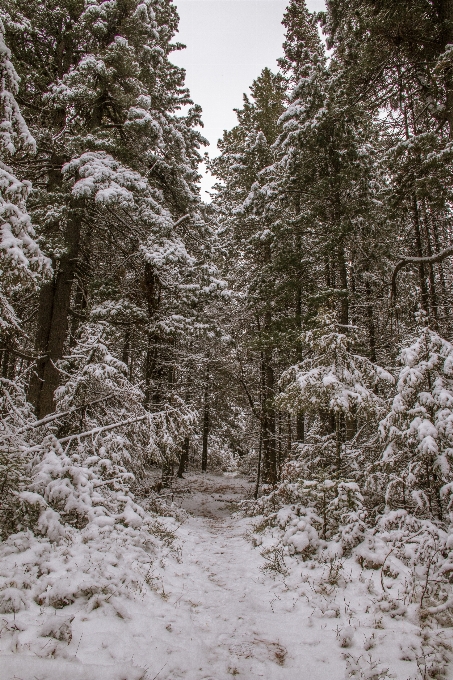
[(400, 522), (73, 531)]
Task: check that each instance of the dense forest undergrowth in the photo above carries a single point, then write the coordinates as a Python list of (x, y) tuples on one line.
[(296, 331)]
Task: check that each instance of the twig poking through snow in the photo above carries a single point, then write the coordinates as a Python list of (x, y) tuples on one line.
[(160, 671)]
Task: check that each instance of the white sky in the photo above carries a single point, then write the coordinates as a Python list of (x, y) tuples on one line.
[(228, 42)]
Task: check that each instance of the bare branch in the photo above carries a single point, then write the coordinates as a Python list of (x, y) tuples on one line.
[(21, 355), (105, 428), (98, 430), (407, 259)]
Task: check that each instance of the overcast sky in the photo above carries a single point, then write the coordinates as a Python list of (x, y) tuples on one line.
[(228, 42)]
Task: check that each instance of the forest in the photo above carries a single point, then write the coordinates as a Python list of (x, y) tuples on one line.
[(295, 332)]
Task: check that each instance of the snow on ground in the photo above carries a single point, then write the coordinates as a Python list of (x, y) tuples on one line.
[(212, 606)]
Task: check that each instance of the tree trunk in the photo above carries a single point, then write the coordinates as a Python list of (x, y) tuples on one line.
[(289, 439), (80, 296), (184, 459), (204, 452), (152, 288), (419, 249), (53, 321), (300, 418), (350, 426), (344, 310), (152, 394), (443, 284), (338, 441), (126, 348), (370, 320), (269, 449), (5, 363), (300, 428), (431, 275), (446, 16), (279, 451), (167, 474), (258, 472)]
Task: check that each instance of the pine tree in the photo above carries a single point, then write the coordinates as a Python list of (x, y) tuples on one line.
[(302, 44), (21, 260), (340, 393), (109, 90), (246, 153), (417, 430), (396, 58)]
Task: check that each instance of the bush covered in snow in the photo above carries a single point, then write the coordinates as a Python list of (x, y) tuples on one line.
[(78, 466), (74, 538), (313, 512), (418, 430), (393, 512)]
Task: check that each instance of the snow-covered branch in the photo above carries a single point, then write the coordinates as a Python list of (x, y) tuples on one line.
[(98, 430), (55, 416)]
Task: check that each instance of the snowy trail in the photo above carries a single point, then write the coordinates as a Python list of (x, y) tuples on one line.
[(210, 612), (229, 618)]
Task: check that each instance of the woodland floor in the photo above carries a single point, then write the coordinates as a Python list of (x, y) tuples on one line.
[(213, 612), (231, 618)]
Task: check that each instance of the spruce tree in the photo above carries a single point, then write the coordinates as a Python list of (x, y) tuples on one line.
[(108, 90), (21, 260), (246, 153)]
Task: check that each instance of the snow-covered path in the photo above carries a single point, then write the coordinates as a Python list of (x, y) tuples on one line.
[(210, 612), (230, 618)]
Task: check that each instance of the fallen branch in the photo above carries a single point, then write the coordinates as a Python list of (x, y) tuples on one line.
[(97, 430), (407, 259), (55, 416), (104, 428)]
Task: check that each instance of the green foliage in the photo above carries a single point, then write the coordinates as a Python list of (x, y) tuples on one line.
[(333, 378)]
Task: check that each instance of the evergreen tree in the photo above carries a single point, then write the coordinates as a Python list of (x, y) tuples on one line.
[(260, 332), (109, 90), (246, 154), (417, 430), (21, 260), (302, 44), (396, 59)]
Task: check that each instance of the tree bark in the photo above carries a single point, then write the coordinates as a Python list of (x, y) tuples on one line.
[(184, 459), (446, 16), (419, 248), (431, 274), (300, 427), (53, 319), (152, 287), (126, 348), (258, 472), (206, 423), (269, 448), (344, 310), (5, 363), (370, 320), (289, 440), (443, 285), (300, 418)]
